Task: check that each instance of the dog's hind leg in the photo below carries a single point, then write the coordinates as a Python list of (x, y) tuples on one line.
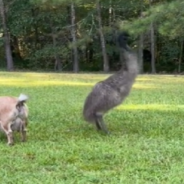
[(23, 132), (7, 129)]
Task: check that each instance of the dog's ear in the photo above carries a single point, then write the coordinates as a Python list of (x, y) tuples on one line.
[(19, 105)]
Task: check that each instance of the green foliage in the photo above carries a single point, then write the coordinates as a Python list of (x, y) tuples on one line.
[(49, 52), (168, 18), (34, 25), (145, 145), (19, 17)]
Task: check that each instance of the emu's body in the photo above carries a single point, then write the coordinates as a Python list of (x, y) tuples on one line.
[(111, 92)]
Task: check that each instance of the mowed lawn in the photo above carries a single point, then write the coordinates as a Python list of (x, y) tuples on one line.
[(146, 144)]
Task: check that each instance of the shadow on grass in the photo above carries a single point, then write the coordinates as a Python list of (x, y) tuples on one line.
[(150, 123), (155, 124), (139, 123)]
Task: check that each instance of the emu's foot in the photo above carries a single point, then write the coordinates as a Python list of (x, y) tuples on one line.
[(104, 132), (107, 132)]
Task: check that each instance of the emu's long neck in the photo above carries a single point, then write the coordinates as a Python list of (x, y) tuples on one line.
[(130, 58), (131, 62)]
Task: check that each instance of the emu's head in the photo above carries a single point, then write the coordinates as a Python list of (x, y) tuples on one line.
[(122, 40)]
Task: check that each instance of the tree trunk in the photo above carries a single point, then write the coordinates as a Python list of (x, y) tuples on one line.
[(89, 52), (103, 44), (8, 51), (73, 34), (57, 65), (153, 70), (180, 56), (110, 13), (35, 13), (152, 36), (15, 48), (140, 53), (140, 47)]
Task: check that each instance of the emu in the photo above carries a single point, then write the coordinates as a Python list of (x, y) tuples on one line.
[(13, 116), (111, 92)]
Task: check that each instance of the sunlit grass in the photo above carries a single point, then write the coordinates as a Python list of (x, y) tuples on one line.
[(149, 107), (145, 146), (46, 79)]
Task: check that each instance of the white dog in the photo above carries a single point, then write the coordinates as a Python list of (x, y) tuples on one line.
[(13, 116)]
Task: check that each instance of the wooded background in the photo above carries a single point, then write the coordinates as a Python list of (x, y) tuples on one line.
[(81, 35)]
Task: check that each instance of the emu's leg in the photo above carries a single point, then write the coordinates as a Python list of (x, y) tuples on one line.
[(100, 124)]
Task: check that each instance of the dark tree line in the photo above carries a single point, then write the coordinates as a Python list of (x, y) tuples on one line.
[(81, 35)]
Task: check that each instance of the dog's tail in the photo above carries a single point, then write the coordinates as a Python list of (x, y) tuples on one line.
[(22, 98)]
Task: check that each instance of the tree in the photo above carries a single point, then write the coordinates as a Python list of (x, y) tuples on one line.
[(180, 55), (74, 40), (140, 47), (57, 65), (152, 36), (140, 53), (43, 38), (6, 34), (103, 44), (161, 14)]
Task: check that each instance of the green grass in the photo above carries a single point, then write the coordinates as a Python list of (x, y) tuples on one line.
[(146, 144)]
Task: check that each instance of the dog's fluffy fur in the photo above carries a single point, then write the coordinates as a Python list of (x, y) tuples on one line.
[(13, 116)]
